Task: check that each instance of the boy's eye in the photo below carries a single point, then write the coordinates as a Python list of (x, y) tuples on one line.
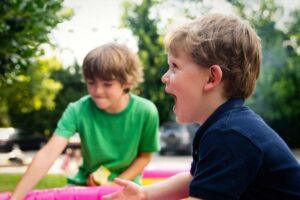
[(90, 82), (107, 84), (173, 66)]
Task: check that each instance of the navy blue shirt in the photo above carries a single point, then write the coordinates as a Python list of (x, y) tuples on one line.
[(236, 155)]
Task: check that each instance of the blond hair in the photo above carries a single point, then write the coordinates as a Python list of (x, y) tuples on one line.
[(113, 61), (222, 40)]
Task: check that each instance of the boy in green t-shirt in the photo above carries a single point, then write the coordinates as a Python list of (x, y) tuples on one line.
[(118, 130)]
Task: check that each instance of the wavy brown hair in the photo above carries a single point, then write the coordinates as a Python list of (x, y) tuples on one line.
[(227, 41), (113, 61)]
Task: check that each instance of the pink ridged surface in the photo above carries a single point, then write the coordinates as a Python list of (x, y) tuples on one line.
[(70, 193), (86, 193), (160, 173)]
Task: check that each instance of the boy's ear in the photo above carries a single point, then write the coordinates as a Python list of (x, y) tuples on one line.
[(215, 77), (127, 85)]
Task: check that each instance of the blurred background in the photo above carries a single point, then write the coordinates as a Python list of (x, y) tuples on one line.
[(43, 43)]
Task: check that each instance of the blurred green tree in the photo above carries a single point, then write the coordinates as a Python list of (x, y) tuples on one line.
[(277, 96), (24, 26), (25, 82), (32, 91), (44, 120), (151, 52)]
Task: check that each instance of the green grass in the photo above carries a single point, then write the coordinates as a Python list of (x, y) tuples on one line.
[(9, 181)]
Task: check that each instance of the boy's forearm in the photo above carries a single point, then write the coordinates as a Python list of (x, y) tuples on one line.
[(136, 167), (176, 187), (39, 166), (36, 170)]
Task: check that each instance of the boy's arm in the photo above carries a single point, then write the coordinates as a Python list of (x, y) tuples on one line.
[(40, 165), (136, 167), (176, 187)]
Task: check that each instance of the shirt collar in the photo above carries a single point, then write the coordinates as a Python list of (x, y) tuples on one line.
[(228, 105)]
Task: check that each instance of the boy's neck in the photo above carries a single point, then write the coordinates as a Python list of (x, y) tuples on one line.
[(212, 102), (122, 104)]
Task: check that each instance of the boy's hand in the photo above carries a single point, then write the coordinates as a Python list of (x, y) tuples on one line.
[(90, 181), (110, 183), (130, 191)]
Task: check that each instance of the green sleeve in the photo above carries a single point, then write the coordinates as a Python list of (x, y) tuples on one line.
[(66, 126), (149, 141)]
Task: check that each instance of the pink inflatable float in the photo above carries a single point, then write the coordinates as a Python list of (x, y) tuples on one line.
[(69, 193), (152, 176), (89, 193)]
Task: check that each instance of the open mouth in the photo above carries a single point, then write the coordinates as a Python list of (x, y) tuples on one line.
[(174, 96), (175, 101)]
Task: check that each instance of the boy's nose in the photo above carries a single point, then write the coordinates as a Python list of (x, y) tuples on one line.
[(99, 90), (165, 78)]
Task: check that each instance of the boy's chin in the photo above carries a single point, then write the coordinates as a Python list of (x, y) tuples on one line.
[(181, 120), (102, 107), (185, 120)]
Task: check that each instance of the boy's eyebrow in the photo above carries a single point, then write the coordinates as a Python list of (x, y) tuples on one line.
[(108, 81)]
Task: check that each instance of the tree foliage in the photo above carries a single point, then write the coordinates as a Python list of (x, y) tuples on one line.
[(24, 26), (32, 91), (44, 120), (151, 52), (277, 96), (25, 81)]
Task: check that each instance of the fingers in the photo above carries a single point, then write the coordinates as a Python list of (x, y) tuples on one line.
[(107, 197), (122, 182), (109, 183), (90, 181), (111, 196), (129, 191)]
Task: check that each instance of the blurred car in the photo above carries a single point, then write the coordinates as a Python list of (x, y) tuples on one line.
[(176, 138), (10, 137)]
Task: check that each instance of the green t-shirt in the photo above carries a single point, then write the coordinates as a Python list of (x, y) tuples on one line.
[(111, 140)]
